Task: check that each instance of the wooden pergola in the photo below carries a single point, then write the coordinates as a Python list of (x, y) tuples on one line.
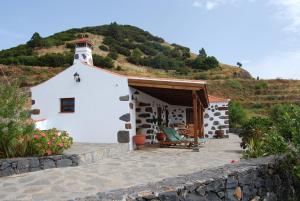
[(190, 93)]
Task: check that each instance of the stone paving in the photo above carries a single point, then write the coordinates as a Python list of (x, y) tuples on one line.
[(134, 168)]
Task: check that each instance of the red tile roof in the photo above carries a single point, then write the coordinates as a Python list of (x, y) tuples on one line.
[(214, 99), (84, 40)]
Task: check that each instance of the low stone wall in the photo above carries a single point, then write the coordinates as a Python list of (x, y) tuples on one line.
[(30, 164), (249, 180)]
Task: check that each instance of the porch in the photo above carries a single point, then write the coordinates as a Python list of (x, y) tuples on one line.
[(168, 103)]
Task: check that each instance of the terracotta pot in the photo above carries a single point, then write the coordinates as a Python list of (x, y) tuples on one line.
[(220, 133), (160, 136), (139, 140)]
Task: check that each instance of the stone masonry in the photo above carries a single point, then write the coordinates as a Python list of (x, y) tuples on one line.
[(30, 164), (216, 118), (249, 180)]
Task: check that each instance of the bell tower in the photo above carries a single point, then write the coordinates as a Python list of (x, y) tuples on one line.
[(83, 51)]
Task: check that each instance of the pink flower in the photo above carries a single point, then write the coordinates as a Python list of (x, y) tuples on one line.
[(36, 137), (49, 152), (49, 143), (61, 145), (43, 134), (58, 133)]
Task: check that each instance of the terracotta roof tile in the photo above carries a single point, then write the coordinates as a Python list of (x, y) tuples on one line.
[(84, 40), (214, 99)]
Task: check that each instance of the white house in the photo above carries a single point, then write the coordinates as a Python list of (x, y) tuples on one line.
[(98, 106)]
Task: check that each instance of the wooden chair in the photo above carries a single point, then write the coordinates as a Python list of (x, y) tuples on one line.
[(174, 139), (189, 132)]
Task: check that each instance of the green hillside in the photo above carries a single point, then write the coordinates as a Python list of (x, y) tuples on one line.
[(117, 47), (129, 50)]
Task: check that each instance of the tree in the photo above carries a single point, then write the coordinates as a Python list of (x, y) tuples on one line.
[(105, 62), (239, 64), (202, 53), (114, 30), (35, 41), (205, 63), (210, 63)]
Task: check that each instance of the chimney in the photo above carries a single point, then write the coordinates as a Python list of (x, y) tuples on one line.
[(83, 51)]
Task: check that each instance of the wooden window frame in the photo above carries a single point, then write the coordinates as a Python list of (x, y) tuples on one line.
[(62, 106)]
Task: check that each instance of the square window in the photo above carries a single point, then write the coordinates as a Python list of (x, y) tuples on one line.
[(67, 105)]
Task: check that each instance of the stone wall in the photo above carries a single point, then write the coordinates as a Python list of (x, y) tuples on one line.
[(177, 114), (31, 164), (250, 180), (216, 118), (146, 111)]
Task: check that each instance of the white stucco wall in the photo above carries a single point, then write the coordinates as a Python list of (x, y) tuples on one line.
[(97, 104)]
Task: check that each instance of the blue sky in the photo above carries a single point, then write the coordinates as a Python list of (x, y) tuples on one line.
[(262, 34)]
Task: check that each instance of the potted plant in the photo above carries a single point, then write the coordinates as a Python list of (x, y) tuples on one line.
[(139, 139), (160, 135), (220, 133)]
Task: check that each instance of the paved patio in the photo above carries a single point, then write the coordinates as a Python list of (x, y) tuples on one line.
[(138, 167)]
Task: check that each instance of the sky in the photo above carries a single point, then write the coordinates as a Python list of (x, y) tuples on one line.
[(264, 35)]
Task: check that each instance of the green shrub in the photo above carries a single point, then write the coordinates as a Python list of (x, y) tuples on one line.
[(51, 60), (205, 63), (104, 48), (257, 106), (235, 84), (113, 54), (217, 77), (18, 138), (21, 50), (270, 143), (291, 124), (162, 62), (255, 127), (122, 50), (136, 56), (237, 114), (15, 128), (262, 85), (255, 148), (55, 60), (51, 142), (273, 97), (119, 68), (201, 76), (285, 118), (105, 62), (70, 46), (148, 49), (183, 71)]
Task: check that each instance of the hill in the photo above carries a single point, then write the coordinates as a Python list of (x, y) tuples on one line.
[(120, 47), (129, 50)]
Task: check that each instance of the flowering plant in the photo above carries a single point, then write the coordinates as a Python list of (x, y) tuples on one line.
[(49, 142)]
